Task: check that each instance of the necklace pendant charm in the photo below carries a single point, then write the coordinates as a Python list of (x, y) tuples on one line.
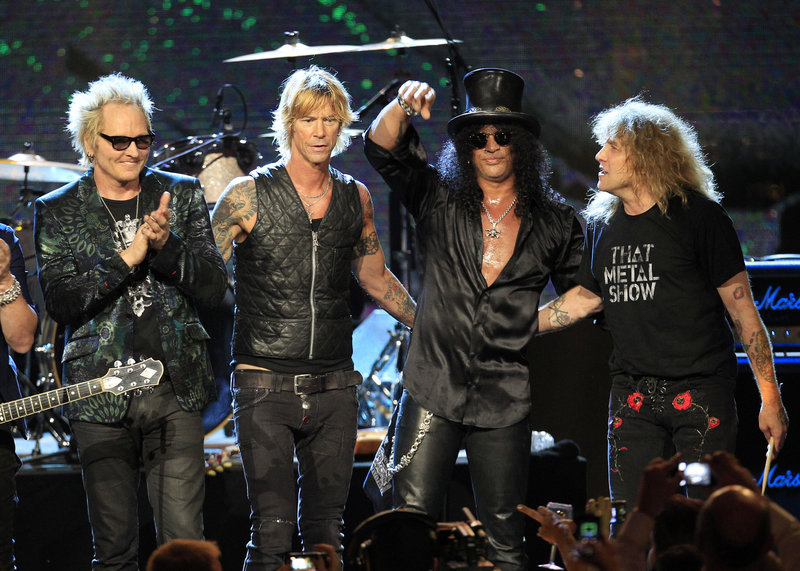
[(492, 233)]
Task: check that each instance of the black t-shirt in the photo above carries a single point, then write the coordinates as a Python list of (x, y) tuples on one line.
[(125, 220), (658, 276)]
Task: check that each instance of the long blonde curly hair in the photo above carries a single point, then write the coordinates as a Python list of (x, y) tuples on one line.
[(664, 155)]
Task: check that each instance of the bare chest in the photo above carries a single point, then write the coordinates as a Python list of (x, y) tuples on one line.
[(499, 240)]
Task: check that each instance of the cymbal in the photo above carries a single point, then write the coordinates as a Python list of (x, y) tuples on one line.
[(401, 41), (39, 170), (293, 51)]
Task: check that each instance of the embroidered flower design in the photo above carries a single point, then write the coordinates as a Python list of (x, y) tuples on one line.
[(682, 401), (713, 422), (635, 401), (616, 422)]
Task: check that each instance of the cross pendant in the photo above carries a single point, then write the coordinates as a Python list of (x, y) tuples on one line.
[(492, 233)]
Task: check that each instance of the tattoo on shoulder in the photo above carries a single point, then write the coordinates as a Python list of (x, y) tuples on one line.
[(236, 206), (738, 293)]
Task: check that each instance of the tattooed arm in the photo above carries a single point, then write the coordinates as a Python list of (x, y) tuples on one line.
[(738, 299), (369, 267), (234, 214), (570, 307)]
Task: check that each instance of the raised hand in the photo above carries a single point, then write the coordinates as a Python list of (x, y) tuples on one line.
[(419, 96)]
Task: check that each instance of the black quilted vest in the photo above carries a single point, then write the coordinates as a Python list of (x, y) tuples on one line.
[(292, 296)]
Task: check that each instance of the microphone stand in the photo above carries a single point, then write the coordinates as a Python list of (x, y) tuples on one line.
[(454, 62)]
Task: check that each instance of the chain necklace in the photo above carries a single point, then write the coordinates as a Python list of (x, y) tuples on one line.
[(493, 232), (317, 198), (117, 226)]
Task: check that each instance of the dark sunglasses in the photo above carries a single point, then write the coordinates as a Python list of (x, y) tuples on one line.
[(121, 143), (478, 140)]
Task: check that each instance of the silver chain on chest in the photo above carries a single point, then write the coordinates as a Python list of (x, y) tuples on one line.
[(493, 232)]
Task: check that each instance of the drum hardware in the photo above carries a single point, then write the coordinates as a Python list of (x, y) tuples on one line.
[(29, 167), (379, 392), (215, 159), (49, 420)]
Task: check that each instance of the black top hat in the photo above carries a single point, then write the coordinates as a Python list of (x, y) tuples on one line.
[(494, 95)]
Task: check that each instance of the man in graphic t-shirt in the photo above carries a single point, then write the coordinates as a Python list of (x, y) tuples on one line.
[(663, 263)]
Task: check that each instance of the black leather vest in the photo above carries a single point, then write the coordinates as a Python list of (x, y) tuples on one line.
[(292, 284)]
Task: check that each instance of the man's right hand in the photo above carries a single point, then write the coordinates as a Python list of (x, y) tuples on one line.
[(419, 96)]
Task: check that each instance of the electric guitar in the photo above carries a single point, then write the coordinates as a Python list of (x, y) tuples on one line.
[(117, 380)]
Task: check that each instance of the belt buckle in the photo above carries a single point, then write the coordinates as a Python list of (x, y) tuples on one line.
[(298, 378)]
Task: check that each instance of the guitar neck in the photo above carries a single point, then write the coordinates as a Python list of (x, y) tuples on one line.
[(51, 399)]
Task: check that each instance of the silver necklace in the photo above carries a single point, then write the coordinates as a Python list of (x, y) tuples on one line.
[(117, 227), (310, 205), (493, 232)]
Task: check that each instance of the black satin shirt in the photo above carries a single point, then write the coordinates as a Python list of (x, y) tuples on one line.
[(466, 360)]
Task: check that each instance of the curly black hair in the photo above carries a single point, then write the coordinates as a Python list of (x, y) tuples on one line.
[(531, 169)]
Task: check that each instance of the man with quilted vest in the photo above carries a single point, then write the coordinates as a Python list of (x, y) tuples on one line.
[(126, 255), (296, 230)]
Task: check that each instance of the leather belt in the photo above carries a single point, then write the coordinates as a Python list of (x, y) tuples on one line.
[(299, 384)]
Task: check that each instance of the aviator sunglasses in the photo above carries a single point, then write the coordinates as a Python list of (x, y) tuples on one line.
[(121, 143), (480, 139)]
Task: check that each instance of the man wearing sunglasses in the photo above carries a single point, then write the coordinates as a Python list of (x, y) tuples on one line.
[(125, 256), (492, 233)]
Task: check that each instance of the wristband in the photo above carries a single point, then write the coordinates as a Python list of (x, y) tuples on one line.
[(11, 293)]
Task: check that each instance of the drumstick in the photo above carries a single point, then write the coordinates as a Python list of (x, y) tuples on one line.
[(766, 464)]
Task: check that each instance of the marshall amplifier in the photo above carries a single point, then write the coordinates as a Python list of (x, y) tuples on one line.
[(775, 282)]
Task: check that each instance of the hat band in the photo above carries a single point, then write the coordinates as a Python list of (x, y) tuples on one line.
[(499, 109)]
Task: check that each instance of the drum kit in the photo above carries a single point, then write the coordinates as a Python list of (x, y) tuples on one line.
[(215, 159)]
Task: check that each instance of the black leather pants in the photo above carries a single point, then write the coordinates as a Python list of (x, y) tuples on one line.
[(498, 465)]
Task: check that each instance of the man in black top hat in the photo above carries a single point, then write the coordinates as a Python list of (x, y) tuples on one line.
[(491, 234)]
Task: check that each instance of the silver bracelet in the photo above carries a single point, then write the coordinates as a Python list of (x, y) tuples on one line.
[(11, 293), (407, 109)]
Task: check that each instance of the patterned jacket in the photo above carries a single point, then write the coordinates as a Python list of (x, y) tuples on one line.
[(84, 281)]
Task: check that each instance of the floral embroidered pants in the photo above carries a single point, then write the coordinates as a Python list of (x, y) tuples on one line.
[(650, 417)]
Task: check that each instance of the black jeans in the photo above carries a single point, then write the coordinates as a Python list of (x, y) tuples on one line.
[(498, 459), (164, 441), (271, 429), (9, 465), (651, 418)]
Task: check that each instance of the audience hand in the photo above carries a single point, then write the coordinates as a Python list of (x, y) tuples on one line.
[(728, 471), (660, 481), (553, 528)]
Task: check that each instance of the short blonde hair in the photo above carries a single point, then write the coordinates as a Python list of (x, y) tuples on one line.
[(304, 91), (85, 108)]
